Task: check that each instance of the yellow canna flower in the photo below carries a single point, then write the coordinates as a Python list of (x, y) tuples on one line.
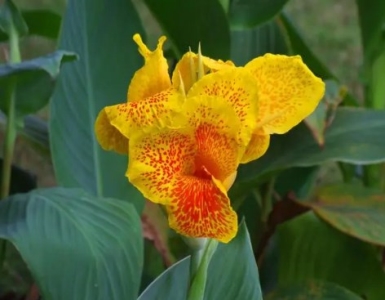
[(188, 136), (189, 165)]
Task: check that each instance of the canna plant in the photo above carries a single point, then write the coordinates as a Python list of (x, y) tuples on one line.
[(204, 182)]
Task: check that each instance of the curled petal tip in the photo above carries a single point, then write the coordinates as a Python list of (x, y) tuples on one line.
[(144, 51)]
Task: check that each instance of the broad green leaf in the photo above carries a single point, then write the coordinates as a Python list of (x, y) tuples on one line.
[(247, 44), (101, 32), (76, 246), (40, 22), (232, 274), (310, 249), (11, 19), (250, 13), (298, 46), (190, 22), (314, 290), (371, 14), (352, 209), (355, 136), (35, 81), (301, 181)]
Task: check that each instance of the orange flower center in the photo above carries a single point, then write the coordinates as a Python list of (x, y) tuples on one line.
[(202, 172)]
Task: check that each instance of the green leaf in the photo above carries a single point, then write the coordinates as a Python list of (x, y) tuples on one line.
[(35, 81), (301, 181), (371, 14), (314, 290), (250, 43), (35, 130), (310, 249), (355, 136), (190, 22), (376, 89), (77, 246), (109, 58), (228, 278), (250, 13), (40, 22), (352, 209), (11, 19)]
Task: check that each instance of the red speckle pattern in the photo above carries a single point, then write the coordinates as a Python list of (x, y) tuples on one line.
[(155, 110), (156, 161), (216, 152), (200, 209), (236, 86)]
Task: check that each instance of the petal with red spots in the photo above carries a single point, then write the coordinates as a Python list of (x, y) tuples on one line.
[(154, 111), (158, 159), (216, 131), (288, 91), (239, 88), (201, 208)]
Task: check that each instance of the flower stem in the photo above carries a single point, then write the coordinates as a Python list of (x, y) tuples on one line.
[(10, 132), (200, 260)]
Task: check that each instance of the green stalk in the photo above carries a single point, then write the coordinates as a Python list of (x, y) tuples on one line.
[(200, 260), (10, 132)]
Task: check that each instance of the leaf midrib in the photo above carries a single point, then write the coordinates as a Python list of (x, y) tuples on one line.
[(91, 105)]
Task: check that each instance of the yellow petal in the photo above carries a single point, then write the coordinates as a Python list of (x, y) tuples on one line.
[(200, 208), (257, 147), (187, 67), (108, 136), (153, 77), (239, 89), (154, 111), (288, 91)]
